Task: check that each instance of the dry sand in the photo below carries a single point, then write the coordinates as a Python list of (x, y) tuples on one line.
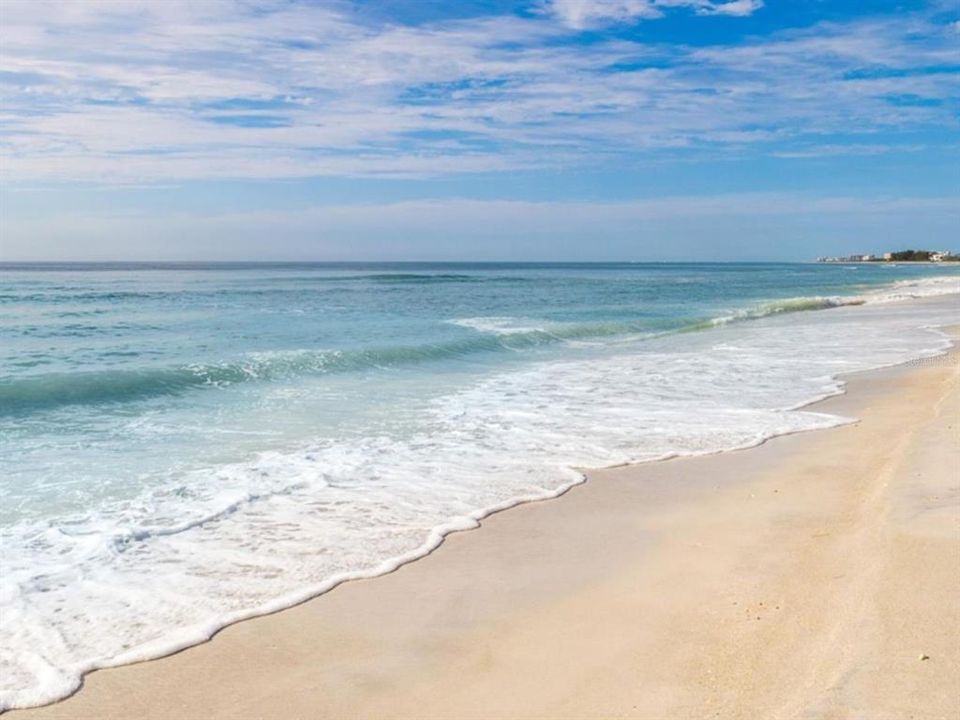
[(817, 576)]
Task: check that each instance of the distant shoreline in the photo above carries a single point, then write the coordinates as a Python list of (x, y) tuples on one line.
[(947, 263)]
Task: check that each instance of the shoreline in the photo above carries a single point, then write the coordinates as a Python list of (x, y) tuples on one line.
[(891, 263), (693, 490)]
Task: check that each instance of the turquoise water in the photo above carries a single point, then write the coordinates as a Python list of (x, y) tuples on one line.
[(186, 445)]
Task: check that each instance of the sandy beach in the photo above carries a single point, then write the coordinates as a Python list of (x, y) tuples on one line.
[(816, 576)]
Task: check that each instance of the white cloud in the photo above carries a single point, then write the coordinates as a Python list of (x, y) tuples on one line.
[(738, 8), (827, 150), (581, 14), (124, 91)]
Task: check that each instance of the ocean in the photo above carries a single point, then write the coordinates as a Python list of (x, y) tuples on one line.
[(187, 445)]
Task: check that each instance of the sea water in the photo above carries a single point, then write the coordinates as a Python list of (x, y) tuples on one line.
[(183, 446)]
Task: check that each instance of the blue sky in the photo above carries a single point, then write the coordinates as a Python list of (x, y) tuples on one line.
[(477, 129)]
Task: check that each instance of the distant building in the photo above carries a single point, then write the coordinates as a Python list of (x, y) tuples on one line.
[(846, 259), (901, 256)]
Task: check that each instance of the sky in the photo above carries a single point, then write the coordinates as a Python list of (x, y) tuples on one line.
[(477, 129)]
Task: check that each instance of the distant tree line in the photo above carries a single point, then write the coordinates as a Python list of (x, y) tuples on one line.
[(914, 255), (922, 256), (899, 256)]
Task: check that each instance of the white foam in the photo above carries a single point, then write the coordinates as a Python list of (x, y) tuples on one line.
[(502, 325), (146, 578), (918, 288)]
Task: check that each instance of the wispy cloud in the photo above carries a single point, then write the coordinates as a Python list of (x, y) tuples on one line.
[(827, 150), (740, 8), (585, 13), (116, 91)]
